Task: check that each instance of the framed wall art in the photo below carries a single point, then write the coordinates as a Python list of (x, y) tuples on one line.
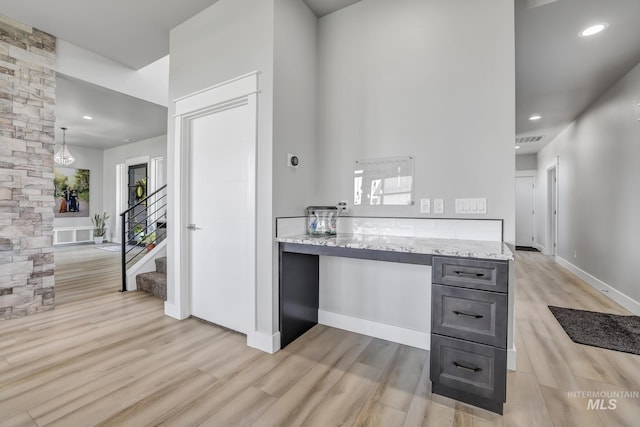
[(71, 192)]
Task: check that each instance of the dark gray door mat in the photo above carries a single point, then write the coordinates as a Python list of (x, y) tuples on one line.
[(526, 248), (604, 330)]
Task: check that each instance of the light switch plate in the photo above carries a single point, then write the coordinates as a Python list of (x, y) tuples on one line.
[(438, 206), (471, 206), (425, 206)]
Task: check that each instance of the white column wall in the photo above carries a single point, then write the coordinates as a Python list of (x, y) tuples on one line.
[(430, 78), (434, 79)]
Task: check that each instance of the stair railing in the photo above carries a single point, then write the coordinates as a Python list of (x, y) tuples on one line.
[(140, 228)]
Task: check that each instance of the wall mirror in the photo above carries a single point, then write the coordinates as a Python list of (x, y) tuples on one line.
[(386, 181)]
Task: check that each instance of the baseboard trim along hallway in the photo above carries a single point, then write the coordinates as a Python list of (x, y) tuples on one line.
[(605, 289)]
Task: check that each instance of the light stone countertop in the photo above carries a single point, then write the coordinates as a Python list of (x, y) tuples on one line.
[(419, 245)]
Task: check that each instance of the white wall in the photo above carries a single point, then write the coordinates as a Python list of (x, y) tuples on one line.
[(598, 188), (229, 39), (429, 78), (86, 158), (526, 162), (405, 78), (382, 292), (294, 111), (294, 117), (153, 147), (392, 78), (150, 83)]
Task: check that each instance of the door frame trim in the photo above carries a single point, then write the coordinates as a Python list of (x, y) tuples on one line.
[(186, 109), (551, 232), (533, 242)]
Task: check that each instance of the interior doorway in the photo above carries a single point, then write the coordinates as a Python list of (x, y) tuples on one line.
[(214, 209), (137, 191), (525, 212), (552, 210)]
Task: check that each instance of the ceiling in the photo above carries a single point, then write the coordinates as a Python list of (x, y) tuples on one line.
[(558, 74), (325, 7), (132, 32), (118, 119)]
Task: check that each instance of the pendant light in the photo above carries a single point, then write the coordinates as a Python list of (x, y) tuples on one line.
[(63, 157)]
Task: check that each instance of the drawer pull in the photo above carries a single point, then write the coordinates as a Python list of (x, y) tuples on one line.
[(465, 274), (462, 313), (466, 368)]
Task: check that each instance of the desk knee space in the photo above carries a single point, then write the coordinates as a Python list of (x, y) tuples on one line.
[(299, 294)]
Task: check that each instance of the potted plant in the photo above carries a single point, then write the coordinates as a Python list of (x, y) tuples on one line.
[(137, 234), (100, 224), (150, 240)]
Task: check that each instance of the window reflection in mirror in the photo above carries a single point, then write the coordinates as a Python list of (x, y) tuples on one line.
[(386, 181)]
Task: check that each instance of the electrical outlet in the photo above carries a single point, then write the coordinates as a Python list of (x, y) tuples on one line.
[(425, 206), (438, 206)]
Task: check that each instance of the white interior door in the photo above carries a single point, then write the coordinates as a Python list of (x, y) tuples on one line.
[(525, 199), (222, 209)]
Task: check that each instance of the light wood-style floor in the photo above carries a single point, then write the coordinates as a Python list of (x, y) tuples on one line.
[(106, 358)]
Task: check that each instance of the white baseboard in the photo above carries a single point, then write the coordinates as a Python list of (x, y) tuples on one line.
[(269, 343), (413, 338), (511, 358), (173, 310), (611, 292)]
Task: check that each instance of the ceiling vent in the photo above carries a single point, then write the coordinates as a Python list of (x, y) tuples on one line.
[(529, 139)]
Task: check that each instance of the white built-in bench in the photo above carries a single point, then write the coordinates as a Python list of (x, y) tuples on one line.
[(74, 234)]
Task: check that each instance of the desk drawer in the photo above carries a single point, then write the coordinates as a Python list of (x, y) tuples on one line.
[(468, 314), (471, 273), (474, 369)]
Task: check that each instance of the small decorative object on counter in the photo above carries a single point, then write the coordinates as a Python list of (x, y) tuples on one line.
[(322, 220)]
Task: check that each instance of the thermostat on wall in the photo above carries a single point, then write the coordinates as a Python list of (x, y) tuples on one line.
[(293, 160)]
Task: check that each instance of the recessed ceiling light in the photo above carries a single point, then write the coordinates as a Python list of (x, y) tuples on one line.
[(128, 140), (593, 30), (87, 117), (535, 117), (517, 147)]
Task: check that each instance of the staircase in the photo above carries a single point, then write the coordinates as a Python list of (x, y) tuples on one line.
[(144, 230), (154, 282)]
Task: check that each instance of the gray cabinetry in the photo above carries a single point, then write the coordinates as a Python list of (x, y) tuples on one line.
[(469, 312), (478, 316), (476, 370), (469, 330), (471, 273)]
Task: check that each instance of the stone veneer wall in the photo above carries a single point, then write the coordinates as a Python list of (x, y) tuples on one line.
[(27, 101)]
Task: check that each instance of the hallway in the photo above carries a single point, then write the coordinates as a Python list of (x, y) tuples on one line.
[(103, 357)]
